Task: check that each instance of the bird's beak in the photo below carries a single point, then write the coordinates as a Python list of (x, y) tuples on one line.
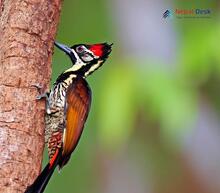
[(63, 47), (67, 50)]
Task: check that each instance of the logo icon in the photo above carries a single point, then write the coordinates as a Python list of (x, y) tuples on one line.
[(167, 14)]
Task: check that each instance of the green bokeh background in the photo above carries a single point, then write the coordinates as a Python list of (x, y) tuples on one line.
[(139, 111)]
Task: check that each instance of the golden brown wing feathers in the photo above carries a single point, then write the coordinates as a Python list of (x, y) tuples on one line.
[(78, 102)]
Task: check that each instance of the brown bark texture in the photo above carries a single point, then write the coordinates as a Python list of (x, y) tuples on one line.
[(27, 31)]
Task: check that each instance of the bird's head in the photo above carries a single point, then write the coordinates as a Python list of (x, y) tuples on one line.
[(86, 58)]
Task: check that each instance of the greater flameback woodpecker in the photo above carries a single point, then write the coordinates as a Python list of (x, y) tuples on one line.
[(67, 108)]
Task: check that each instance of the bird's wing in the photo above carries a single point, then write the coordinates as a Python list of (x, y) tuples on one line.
[(78, 100)]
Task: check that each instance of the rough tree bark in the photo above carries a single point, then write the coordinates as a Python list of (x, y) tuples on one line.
[(27, 31)]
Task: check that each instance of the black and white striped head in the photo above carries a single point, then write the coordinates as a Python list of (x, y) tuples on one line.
[(86, 58)]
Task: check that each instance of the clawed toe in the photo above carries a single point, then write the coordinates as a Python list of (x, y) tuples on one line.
[(37, 85), (39, 88), (39, 97)]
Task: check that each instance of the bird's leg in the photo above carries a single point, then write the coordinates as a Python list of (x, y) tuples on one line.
[(42, 95)]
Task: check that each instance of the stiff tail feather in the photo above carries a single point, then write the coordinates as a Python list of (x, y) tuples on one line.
[(42, 180)]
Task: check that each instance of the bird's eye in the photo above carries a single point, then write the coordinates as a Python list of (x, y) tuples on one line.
[(80, 49)]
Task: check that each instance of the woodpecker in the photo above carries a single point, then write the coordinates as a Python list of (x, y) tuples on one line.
[(67, 107)]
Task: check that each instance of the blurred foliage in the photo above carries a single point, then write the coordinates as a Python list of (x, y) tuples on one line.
[(134, 101)]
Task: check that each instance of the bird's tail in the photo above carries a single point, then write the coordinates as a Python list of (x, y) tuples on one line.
[(42, 180)]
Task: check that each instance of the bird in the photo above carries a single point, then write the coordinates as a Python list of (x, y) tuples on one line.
[(67, 106)]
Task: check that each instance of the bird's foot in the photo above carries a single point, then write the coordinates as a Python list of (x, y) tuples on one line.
[(39, 89)]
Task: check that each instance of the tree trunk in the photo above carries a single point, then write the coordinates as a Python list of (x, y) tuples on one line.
[(27, 31)]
